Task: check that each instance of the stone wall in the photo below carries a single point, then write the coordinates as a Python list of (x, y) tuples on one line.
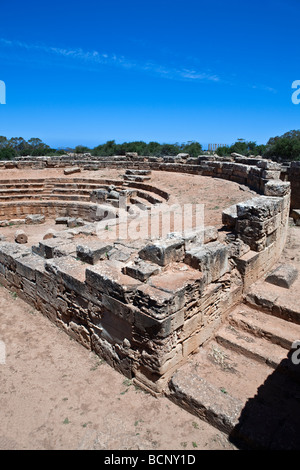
[(146, 311), (254, 172), (293, 175)]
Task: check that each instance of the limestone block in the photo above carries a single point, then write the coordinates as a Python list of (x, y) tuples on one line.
[(259, 208), (156, 302), (237, 248), (72, 222), (120, 309), (184, 283), (211, 260), (92, 252), (141, 270), (64, 249), (283, 276), (271, 174), (27, 265), (138, 172), (49, 248), (71, 170), (158, 328), (196, 237), (184, 156), (33, 219), (276, 187), (229, 216), (137, 178), (163, 252), (108, 278), (99, 195), (131, 154)]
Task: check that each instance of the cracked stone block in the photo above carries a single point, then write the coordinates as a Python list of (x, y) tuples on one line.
[(137, 178), (202, 236), (138, 172), (99, 195), (141, 270), (156, 302), (113, 194), (163, 252), (34, 219), (277, 188), (229, 216), (70, 171), (259, 208), (53, 247), (93, 252), (210, 259), (108, 278), (283, 276)]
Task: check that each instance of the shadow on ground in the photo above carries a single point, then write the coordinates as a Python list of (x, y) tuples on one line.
[(271, 419)]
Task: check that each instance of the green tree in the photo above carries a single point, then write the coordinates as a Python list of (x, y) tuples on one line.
[(82, 149), (285, 147), (192, 148), (7, 153)]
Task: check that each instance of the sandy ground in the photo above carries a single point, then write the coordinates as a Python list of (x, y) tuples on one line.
[(57, 395)]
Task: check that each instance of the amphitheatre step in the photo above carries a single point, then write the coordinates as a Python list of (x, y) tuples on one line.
[(140, 203), (12, 192), (204, 400), (257, 406), (278, 301), (251, 346), (274, 329), (20, 187), (66, 197)]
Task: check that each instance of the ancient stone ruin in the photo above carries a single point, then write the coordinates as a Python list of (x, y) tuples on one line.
[(145, 305)]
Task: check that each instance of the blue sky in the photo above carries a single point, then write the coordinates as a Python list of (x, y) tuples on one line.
[(166, 71)]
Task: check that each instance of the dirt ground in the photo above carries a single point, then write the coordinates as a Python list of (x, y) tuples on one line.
[(57, 395)]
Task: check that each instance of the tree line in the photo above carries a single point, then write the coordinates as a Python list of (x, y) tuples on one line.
[(279, 148)]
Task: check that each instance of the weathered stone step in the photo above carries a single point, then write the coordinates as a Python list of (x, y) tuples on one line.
[(260, 324), (251, 346), (257, 406), (278, 301), (141, 203), (204, 400)]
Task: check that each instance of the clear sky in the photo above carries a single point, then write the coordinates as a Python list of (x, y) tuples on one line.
[(84, 72)]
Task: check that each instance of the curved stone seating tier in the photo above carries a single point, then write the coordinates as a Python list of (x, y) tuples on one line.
[(54, 197)]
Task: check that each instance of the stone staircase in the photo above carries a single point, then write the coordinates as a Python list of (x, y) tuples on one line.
[(243, 381)]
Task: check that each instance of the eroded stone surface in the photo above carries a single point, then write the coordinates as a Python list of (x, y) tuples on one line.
[(283, 276)]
